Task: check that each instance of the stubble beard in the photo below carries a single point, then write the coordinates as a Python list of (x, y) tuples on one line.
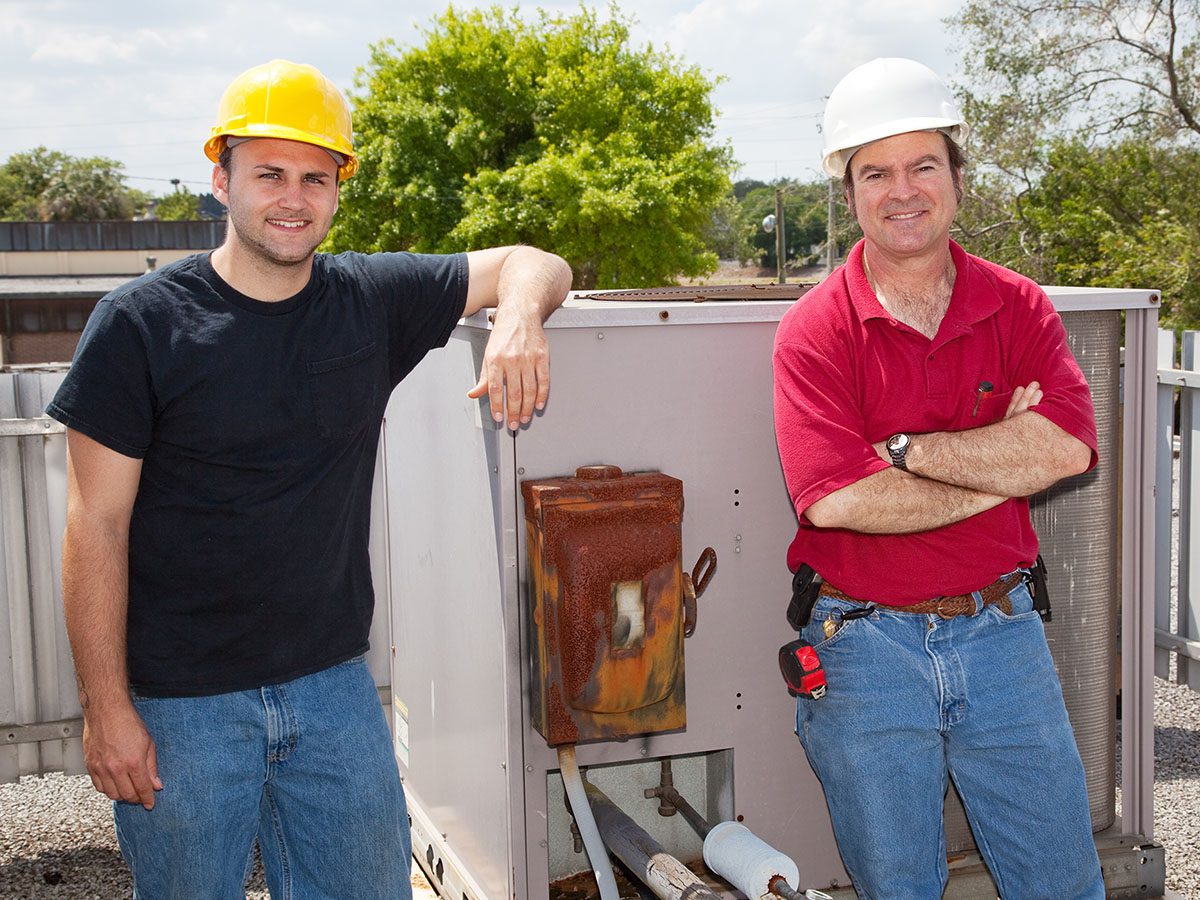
[(253, 236)]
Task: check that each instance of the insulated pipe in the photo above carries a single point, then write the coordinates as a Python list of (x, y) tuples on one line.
[(747, 862), (666, 876), (592, 842)]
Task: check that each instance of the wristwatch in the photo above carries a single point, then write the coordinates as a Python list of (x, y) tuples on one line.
[(897, 448)]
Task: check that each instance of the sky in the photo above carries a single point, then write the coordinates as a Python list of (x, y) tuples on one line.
[(139, 80)]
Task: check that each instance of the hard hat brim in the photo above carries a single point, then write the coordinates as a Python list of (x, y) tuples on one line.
[(838, 157), (215, 144)]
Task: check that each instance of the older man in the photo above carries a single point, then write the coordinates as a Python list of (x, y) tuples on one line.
[(223, 416), (921, 395)]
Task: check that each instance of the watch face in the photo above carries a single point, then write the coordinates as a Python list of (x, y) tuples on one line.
[(897, 442)]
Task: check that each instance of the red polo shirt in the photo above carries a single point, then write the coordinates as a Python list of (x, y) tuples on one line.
[(848, 375)]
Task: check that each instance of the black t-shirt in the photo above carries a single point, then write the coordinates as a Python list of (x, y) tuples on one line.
[(257, 424)]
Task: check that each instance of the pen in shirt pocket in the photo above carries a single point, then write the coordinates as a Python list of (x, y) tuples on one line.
[(981, 393)]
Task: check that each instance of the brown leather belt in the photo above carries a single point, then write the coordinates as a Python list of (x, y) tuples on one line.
[(946, 607)]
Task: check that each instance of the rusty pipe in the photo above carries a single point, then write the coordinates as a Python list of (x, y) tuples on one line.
[(671, 801), (667, 877)]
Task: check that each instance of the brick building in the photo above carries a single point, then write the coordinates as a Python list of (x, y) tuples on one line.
[(53, 273)]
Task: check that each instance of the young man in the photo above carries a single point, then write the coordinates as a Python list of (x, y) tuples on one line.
[(223, 416), (921, 395)]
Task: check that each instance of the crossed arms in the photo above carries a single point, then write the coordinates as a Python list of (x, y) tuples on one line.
[(954, 475)]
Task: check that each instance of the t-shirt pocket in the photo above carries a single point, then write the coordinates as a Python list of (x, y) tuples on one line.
[(344, 391)]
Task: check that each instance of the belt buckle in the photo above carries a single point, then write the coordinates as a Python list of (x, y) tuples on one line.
[(949, 607)]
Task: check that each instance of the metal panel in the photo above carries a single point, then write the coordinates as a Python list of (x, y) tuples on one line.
[(1188, 609), (1137, 573), (112, 235), (43, 680), (1163, 501), (456, 696)]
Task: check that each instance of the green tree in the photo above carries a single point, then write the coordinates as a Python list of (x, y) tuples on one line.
[(1118, 216), (555, 132), (1074, 126), (23, 178), (47, 185), (180, 205), (805, 216)]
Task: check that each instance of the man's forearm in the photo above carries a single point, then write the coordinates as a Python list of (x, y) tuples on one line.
[(895, 502), (95, 601), (1015, 457), (532, 282)]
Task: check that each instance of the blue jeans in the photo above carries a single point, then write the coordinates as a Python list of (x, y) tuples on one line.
[(305, 767), (916, 699)]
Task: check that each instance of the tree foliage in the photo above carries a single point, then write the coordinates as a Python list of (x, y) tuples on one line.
[(1085, 122), (179, 206), (805, 217), (1121, 216), (1097, 67), (47, 185), (555, 132)]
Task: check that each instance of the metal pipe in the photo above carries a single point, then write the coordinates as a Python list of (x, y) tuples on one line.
[(581, 809), (671, 801), (666, 876)]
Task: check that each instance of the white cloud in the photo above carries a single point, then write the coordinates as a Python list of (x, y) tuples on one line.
[(76, 48)]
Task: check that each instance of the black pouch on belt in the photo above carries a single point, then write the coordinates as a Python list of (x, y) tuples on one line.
[(1036, 580), (806, 586)]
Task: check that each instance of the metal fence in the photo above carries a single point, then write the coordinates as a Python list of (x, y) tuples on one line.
[(1177, 509)]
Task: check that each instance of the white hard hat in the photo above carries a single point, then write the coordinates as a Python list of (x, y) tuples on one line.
[(882, 98)]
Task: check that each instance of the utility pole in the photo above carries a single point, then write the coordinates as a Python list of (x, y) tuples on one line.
[(780, 243), (830, 242)]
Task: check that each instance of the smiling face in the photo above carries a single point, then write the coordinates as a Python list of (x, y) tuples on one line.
[(281, 197), (905, 194)]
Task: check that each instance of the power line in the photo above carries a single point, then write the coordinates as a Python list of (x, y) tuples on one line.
[(102, 124)]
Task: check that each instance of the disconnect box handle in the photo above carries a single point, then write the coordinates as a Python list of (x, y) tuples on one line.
[(694, 585)]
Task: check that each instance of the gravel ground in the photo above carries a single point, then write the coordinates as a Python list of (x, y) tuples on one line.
[(57, 841)]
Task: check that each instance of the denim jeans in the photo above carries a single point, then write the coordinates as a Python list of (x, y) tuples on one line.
[(916, 699), (305, 767)]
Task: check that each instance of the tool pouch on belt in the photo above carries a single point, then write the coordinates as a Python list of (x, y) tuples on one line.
[(1036, 582), (806, 586)]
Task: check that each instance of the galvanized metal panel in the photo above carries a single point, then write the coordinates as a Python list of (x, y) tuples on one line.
[(1187, 612), (693, 400), (454, 626), (1163, 505), (15, 643)]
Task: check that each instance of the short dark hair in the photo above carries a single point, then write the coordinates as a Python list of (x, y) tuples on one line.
[(958, 161), (225, 158)]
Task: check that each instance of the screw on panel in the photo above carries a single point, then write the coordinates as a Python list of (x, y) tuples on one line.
[(520, 470), (529, 768), (664, 315), (599, 335)]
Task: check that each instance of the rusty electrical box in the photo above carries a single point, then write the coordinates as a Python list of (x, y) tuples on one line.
[(607, 591)]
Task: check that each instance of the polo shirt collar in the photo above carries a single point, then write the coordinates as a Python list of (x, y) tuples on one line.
[(973, 300)]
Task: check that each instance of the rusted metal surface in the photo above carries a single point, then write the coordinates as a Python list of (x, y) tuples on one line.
[(704, 293), (606, 589)]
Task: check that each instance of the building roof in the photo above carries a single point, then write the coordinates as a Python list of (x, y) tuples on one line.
[(60, 287), (143, 235)]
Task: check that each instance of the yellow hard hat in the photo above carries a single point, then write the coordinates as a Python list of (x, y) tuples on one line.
[(287, 100)]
